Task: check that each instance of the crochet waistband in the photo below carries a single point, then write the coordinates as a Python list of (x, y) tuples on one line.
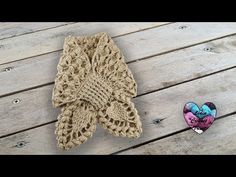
[(95, 90)]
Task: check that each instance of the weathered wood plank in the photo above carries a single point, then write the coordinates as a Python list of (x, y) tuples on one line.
[(170, 37), (219, 139), (13, 29), (165, 104), (34, 106), (154, 41), (52, 39), (151, 74)]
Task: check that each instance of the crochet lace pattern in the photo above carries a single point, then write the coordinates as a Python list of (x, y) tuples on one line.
[(93, 84)]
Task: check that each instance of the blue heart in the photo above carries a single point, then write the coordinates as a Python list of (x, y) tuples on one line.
[(206, 109)]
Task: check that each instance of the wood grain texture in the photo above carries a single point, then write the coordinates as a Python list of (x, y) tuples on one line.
[(156, 40), (220, 138), (151, 74), (172, 37), (34, 106), (12, 29), (52, 39), (165, 104)]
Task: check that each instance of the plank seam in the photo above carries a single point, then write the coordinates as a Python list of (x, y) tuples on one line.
[(184, 47), (26, 129), (186, 81), (168, 135), (139, 95), (37, 31), (29, 57), (27, 89), (157, 26)]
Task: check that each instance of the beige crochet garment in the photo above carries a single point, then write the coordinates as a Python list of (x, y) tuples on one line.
[(93, 84)]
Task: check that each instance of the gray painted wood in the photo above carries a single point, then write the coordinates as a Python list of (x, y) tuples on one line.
[(34, 107), (13, 29), (158, 40), (165, 104), (151, 74), (220, 138), (41, 42)]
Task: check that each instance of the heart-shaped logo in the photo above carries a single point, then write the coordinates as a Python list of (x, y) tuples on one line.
[(199, 119)]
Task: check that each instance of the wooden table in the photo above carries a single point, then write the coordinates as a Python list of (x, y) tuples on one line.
[(173, 63)]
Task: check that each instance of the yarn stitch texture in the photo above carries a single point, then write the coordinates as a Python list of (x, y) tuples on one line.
[(93, 84)]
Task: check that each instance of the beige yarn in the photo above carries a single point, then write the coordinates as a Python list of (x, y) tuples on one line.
[(93, 84)]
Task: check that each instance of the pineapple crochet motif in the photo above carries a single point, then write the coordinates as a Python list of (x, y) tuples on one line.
[(93, 84)]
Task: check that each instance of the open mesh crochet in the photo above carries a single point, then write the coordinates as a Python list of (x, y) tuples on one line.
[(93, 84)]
